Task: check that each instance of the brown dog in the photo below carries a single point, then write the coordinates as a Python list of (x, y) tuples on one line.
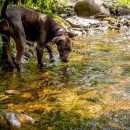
[(25, 25)]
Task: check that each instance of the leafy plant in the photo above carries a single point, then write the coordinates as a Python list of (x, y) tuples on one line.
[(48, 6), (126, 2)]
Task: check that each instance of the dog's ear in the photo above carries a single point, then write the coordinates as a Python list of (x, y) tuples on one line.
[(55, 40), (4, 25), (71, 34)]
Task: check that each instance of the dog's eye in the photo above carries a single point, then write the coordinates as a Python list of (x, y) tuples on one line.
[(61, 50), (68, 49), (60, 41)]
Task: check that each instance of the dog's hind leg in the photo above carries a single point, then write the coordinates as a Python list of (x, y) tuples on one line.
[(6, 56), (39, 49), (20, 40), (41, 45)]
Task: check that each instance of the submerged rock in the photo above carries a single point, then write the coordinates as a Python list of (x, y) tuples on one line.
[(14, 120)]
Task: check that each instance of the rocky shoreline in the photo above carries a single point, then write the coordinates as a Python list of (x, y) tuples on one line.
[(95, 19)]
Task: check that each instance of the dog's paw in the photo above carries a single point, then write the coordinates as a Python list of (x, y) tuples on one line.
[(18, 67), (40, 66), (29, 43), (53, 59)]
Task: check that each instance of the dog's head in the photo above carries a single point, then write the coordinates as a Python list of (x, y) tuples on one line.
[(64, 46)]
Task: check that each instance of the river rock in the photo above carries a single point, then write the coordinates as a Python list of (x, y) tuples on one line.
[(90, 7), (81, 22), (86, 26), (14, 120), (3, 122)]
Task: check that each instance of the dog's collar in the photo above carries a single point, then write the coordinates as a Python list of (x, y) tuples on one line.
[(59, 32)]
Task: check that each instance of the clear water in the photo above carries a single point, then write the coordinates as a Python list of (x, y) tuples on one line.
[(91, 92)]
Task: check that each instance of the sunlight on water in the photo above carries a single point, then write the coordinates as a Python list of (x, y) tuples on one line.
[(91, 92)]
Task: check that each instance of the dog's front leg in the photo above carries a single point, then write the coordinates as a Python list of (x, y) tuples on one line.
[(39, 49), (41, 43), (50, 51)]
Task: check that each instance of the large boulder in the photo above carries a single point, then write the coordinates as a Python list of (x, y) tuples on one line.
[(90, 7)]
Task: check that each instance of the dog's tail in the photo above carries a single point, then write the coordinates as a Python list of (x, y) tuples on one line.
[(3, 11)]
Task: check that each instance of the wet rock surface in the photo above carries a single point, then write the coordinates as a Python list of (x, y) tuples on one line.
[(85, 25), (90, 26), (10, 120)]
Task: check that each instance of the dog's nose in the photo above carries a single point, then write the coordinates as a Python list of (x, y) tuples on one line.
[(65, 60)]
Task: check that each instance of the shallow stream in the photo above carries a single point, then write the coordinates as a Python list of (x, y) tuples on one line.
[(91, 92)]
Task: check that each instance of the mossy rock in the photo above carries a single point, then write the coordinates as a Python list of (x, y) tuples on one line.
[(62, 22), (120, 9)]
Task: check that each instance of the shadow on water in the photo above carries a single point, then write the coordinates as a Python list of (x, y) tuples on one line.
[(91, 92)]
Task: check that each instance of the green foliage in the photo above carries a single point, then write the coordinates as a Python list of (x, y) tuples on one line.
[(120, 2), (48, 6), (63, 2), (124, 1)]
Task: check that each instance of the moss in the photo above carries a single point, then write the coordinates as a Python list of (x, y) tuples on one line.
[(62, 22)]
